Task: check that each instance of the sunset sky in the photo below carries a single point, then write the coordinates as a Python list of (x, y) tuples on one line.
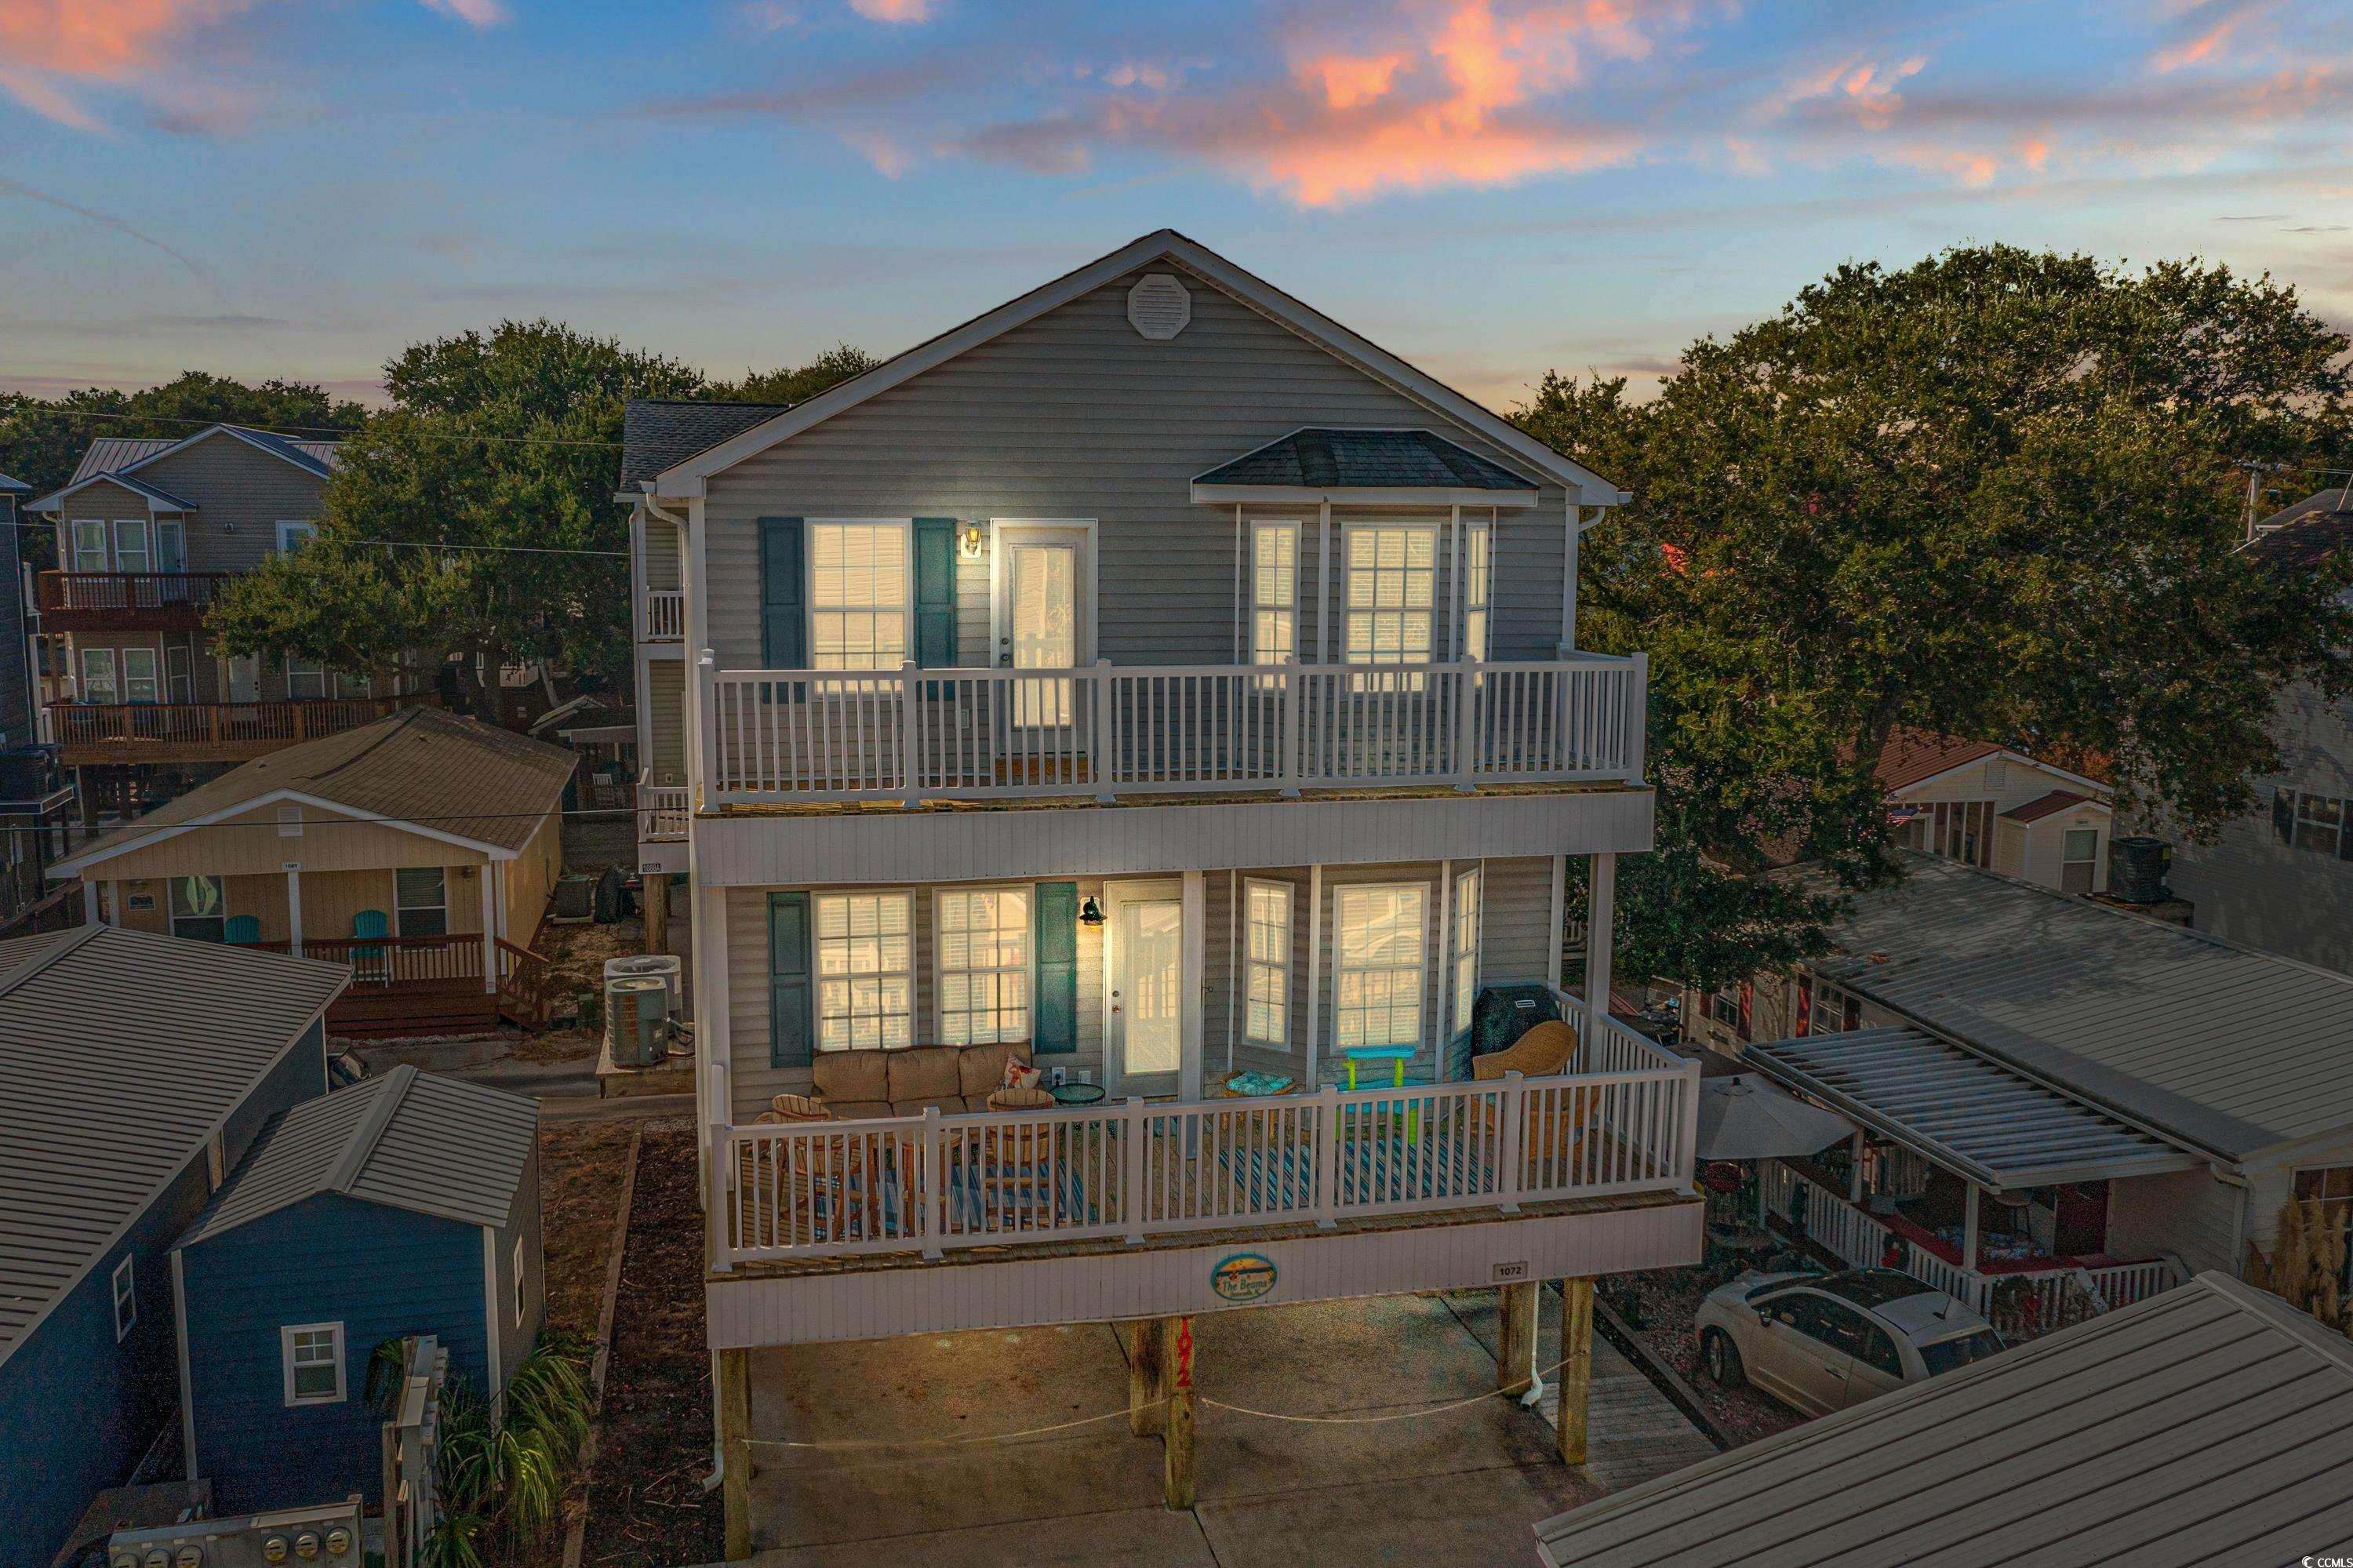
[(1489, 187)]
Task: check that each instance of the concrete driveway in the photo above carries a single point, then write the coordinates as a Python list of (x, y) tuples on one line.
[(1462, 1485)]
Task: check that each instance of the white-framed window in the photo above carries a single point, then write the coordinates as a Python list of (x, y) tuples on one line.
[(140, 683), (1468, 887), (305, 678), (295, 533), (130, 554), (2079, 859), (126, 1298), (1833, 1011), (858, 598), (180, 672), (984, 944), (1274, 591), (420, 901), (1383, 964), (517, 1274), (1392, 583), (89, 543), (311, 1356), (1266, 962), (865, 951), (98, 682), (1478, 588), (199, 913)]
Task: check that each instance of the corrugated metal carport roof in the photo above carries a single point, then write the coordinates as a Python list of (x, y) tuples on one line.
[(1967, 1113), (2208, 1425)]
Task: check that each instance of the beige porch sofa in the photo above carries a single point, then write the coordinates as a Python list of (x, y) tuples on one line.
[(854, 1084)]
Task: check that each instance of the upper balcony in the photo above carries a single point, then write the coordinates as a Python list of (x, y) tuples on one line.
[(661, 615), (793, 738), (125, 601), (90, 733)]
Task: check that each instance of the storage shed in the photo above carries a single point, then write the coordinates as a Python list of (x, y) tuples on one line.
[(404, 1204)]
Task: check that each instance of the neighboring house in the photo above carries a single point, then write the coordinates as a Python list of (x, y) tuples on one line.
[(135, 1073), (36, 801), (2211, 1425), (2060, 1095), (147, 532), (1154, 676), (1975, 802), (2281, 878), (422, 849), (407, 1204)]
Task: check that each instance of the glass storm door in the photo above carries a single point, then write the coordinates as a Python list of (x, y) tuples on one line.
[(1045, 629), (1148, 996)]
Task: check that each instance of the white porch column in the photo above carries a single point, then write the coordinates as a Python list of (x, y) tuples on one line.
[(1969, 1230), (114, 902), (1854, 1174), (1195, 911), (490, 925), (713, 1047), (1324, 589), (294, 910), (1445, 967), (88, 901), (1315, 970), (1600, 902), (1559, 964)]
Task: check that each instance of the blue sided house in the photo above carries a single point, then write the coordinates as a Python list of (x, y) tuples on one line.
[(134, 1071), (406, 1204)]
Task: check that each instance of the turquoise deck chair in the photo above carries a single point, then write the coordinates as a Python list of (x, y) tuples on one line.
[(367, 957), (242, 931)]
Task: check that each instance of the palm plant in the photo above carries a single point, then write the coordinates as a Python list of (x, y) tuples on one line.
[(502, 1474)]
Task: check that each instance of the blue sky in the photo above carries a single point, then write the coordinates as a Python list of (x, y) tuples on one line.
[(1490, 188)]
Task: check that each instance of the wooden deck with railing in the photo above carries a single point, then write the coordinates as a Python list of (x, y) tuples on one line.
[(416, 985), (1107, 731), (90, 733), (125, 601), (1129, 1171)]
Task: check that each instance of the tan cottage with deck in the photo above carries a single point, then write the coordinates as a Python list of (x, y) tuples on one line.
[(422, 850)]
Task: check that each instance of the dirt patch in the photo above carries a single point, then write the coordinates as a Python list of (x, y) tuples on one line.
[(646, 1508), (580, 1173), (576, 987), (1660, 1307)]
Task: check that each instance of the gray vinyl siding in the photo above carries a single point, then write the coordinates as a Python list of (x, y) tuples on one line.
[(2185, 1213), (241, 494), (515, 1340), (2247, 886), (1517, 902), (1075, 416), (16, 701), (666, 718), (663, 570)]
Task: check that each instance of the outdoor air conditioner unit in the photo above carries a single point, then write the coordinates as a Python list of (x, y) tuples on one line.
[(637, 1021), (327, 1536), (667, 967)]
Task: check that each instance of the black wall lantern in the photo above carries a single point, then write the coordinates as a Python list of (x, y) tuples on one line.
[(1090, 912)]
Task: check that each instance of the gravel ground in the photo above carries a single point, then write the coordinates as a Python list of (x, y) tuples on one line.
[(1660, 1307)]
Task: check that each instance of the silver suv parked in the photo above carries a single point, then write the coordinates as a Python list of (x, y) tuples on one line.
[(1824, 1341)]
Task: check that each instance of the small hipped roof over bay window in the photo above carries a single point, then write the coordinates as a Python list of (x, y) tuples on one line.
[(1370, 466)]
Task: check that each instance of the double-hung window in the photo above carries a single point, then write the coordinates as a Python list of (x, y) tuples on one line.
[(126, 1298), (179, 671), (983, 945), (130, 554), (311, 1358), (306, 679), (99, 681), (295, 533), (140, 684), (2079, 859), (199, 914), (89, 543), (1383, 964), (420, 898), (1266, 960), (857, 596), (1467, 888), (1478, 588), (1274, 591), (1392, 588), (865, 949)]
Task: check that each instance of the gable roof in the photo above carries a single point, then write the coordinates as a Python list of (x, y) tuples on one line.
[(1327, 459), (2298, 538), (408, 1141), (2052, 804), (2215, 1045), (658, 433), (157, 497), (121, 1053), (1913, 756), (2209, 1424), (685, 478), (14, 486), (422, 768), (116, 458)]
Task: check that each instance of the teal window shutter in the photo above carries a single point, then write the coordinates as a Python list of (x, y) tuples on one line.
[(784, 617), (1056, 917), (792, 1027), (936, 593)]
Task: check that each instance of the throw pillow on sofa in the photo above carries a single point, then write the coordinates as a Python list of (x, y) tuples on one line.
[(1019, 1074)]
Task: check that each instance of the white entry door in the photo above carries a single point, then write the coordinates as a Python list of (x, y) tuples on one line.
[(1144, 1036), (1044, 618)]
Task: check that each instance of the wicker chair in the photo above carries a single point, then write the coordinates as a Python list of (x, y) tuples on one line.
[(1554, 1140), (795, 1107)]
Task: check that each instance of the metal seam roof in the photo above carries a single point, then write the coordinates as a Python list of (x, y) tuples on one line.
[(1965, 1112)]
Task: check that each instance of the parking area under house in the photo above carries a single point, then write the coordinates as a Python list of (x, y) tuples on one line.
[(1395, 1444)]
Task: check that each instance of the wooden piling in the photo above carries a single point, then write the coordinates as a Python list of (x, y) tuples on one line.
[(1177, 1435), (734, 1374), (1577, 1367), (1147, 1377), (1515, 1343)]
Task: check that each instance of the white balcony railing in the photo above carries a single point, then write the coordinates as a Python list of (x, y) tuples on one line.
[(993, 733), (662, 810), (661, 616), (2052, 1296), (1136, 1169)]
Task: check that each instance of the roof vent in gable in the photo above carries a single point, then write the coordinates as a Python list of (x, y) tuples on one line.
[(1159, 307)]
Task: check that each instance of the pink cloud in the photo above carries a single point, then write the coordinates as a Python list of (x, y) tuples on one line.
[(1347, 80), (2204, 27), (900, 11), (475, 12)]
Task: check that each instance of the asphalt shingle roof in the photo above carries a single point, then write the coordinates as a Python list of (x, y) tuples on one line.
[(456, 775), (2211, 1423), (658, 433), (121, 1052), (2299, 537), (408, 1139), (1367, 459), (2042, 805)]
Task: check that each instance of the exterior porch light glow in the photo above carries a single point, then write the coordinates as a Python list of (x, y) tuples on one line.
[(1090, 912), (971, 541)]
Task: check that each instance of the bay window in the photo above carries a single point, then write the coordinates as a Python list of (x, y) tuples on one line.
[(1392, 585), (984, 966), (864, 948), (1381, 967), (1274, 592), (1266, 971), (1467, 923)]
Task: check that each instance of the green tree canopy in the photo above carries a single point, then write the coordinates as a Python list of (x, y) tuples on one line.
[(799, 382), (1993, 494), (476, 516)]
